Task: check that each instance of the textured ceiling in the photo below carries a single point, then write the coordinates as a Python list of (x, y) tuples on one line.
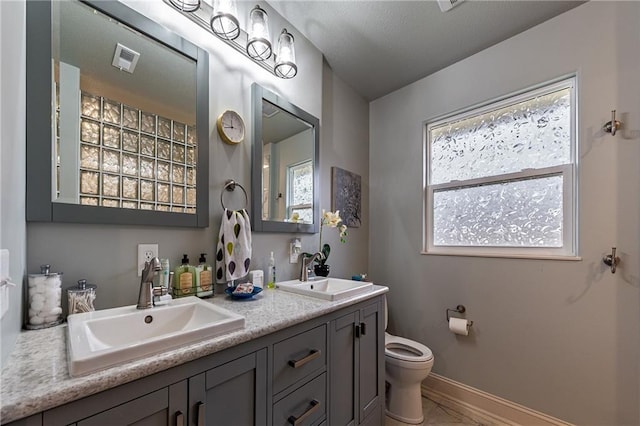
[(87, 40), (380, 46)]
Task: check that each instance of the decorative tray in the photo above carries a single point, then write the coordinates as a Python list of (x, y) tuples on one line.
[(229, 291)]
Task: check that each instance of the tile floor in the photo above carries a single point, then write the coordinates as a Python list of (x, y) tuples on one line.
[(436, 414)]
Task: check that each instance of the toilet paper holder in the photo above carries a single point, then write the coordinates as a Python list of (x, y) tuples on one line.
[(459, 309)]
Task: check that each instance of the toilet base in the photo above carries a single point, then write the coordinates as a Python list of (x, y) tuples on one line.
[(404, 419), (404, 403)]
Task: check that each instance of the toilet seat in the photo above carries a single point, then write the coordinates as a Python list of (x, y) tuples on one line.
[(406, 350)]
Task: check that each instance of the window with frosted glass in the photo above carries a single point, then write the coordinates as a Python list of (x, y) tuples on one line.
[(300, 185), (500, 177), (134, 159)]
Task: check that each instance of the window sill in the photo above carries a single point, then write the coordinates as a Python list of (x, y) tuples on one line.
[(504, 255)]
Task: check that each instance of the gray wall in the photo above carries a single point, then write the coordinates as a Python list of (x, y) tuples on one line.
[(345, 144), (106, 255), (561, 337), (12, 154)]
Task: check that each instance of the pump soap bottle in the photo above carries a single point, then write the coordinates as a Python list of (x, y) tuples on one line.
[(271, 273), (204, 277), (184, 279)]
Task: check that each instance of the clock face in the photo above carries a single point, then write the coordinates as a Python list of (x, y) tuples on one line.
[(231, 127)]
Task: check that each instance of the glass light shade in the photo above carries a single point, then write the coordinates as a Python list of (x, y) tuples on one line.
[(285, 56), (224, 22), (186, 5), (258, 44)]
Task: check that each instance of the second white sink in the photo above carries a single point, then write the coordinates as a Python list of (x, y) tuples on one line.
[(101, 339), (326, 288)]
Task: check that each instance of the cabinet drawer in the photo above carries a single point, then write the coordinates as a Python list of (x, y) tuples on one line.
[(305, 406), (298, 356)]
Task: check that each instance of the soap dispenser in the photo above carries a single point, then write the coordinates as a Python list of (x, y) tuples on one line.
[(271, 273), (204, 277), (184, 279)]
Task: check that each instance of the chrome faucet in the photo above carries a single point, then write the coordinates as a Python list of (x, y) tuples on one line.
[(145, 296), (306, 260)]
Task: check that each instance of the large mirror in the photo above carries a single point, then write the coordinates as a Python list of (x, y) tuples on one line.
[(285, 165), (117, 118)]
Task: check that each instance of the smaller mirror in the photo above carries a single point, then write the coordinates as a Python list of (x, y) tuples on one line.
[(285, 174)]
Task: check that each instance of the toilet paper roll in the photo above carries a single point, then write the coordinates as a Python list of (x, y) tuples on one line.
[(459, 326)]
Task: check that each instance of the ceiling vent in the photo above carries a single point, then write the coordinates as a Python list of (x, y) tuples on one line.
[(269, 110), (126, 59), (446, 5)]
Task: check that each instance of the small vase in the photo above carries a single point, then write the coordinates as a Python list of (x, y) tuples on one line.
[(321, 270)]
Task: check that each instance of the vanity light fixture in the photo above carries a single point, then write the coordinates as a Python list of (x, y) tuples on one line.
[(186, 5), (286, 56), (221, 20), (258, 44)]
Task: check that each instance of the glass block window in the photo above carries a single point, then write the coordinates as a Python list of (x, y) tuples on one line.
[(300, 191), (500, 178), (135, 159)]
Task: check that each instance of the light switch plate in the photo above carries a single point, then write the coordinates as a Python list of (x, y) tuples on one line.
[(146, 252)]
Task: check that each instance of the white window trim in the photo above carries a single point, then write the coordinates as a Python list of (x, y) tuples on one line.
[(569, 250), (291, 207)]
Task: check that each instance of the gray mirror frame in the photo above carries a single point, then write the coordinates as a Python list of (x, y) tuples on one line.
[(258, 93), (39, 206)]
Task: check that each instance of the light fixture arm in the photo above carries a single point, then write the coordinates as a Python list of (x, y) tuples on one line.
[(202, 17)]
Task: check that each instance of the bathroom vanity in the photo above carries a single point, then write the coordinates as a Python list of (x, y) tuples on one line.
[(299, 360)]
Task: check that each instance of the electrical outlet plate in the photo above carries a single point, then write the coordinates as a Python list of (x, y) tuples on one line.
[(146, 252)]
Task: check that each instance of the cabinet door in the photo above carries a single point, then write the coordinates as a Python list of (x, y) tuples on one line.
[(357, 367), (160, 408), (343, 370), (234, 393), (371, 361)]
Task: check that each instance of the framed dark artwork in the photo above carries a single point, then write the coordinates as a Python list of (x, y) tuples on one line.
[(346, 196)]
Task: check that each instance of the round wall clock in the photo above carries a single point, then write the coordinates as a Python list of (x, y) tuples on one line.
[(230, 127)]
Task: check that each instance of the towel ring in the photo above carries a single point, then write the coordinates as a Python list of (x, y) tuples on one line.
[(230, 185)]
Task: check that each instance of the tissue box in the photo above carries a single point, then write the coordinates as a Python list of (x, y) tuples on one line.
[(256, 277)]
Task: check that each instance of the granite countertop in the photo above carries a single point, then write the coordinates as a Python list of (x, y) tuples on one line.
[(36, 377)]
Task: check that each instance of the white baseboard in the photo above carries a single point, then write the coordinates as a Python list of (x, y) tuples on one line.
[(482, 406)]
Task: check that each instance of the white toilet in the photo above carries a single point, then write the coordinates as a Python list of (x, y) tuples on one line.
[(407, 364)]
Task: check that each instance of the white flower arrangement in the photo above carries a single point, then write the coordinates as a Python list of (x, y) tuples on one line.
[(332, 220)]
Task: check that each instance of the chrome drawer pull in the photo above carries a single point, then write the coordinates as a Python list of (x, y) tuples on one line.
[(200, 413), (300, 362), (315, 405), (179, 418)]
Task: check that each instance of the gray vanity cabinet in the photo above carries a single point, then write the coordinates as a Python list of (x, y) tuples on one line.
[(326, 370), (234, 393), (357, 367)]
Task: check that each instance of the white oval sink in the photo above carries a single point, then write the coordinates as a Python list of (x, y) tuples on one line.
[(101, 339), (326, 288)]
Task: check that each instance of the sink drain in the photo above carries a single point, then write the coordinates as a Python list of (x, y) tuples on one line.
[(148, 319)]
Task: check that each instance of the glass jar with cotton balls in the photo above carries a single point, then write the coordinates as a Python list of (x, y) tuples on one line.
[(44, 297)]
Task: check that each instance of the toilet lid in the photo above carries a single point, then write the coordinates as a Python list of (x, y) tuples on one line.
[(406, 350)]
